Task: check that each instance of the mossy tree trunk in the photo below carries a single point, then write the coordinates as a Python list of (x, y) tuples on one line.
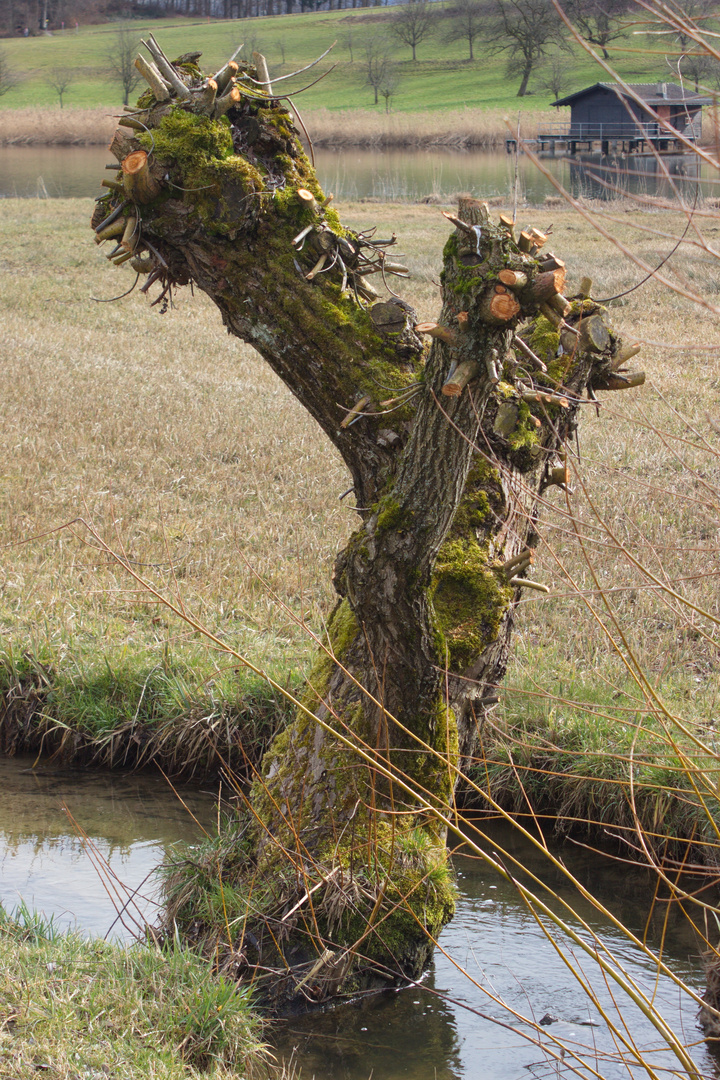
[(448, 448)]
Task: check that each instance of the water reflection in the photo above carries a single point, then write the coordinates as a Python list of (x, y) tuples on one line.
[(133, 821), (605, 176), (400, 175), (496, 972)]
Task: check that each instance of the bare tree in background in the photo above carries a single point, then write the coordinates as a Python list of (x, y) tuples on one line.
[(8, 78), (525, 31), (120, 62), (60, 80), (599, 21), (467, 20), (556, 74), (349, 38), (413, 23), (389, 84), (377, 61)]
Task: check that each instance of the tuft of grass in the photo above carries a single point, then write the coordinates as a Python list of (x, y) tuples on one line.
[(74, 1007)]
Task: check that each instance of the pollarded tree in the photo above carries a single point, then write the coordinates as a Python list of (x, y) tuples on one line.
[(337, 878)]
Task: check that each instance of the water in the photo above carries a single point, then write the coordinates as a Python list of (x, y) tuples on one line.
[(455, 1025), (72, 172), (449, 1026), (133, 821)]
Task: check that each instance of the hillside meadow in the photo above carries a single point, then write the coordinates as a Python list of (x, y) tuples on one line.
[(159, 437), (441, 79)]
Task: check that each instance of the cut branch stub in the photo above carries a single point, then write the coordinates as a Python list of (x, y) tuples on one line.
[(461, 376), (205, 98), (307, 198), (225, 74), (139, 183), (153, 78), (546, 284), (499, 307), (514, 279), (388, 318), (226, 102), (616, 381), (594, 334), (435, 330), (624, 354), (122, 144)]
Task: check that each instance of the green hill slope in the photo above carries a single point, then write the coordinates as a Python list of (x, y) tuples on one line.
[(440, 79)]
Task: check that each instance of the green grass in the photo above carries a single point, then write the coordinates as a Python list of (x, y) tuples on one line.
[(567, 744), (185, 712), (442, 77), (71, 1007)]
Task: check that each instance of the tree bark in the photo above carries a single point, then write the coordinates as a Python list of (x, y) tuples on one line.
[(342, 855)]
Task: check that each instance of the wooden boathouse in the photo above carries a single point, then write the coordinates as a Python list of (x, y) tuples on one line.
[(606, 118)]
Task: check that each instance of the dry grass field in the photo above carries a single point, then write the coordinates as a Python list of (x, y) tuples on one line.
[(183, 451)]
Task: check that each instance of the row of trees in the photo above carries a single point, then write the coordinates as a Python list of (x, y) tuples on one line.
[(528, 33)]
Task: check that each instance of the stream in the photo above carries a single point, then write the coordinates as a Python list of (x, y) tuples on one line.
[(455, 1023)]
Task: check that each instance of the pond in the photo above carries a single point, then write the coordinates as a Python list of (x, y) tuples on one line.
[(72, 172), (455, 1024)]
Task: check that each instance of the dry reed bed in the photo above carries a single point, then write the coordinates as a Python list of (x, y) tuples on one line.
[(56, 127), (186, 453), (467, 129), (458, 130)]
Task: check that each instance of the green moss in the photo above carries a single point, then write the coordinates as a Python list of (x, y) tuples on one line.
[(544, 339), (469, 599), (392, 516), (342, 631), (189, 140), (526, 433), (451, 247)]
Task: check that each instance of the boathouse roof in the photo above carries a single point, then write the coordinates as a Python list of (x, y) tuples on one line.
[(657, 93)]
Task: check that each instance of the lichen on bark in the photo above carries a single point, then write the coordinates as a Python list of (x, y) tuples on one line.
[(336, 864)]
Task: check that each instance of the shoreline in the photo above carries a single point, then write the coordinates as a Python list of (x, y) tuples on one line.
[(566, 790)]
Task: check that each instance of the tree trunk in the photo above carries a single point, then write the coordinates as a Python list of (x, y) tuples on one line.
[(527, 71), (340, 861)]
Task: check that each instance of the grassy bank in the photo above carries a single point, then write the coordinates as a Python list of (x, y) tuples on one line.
[(72, 1007), (183, 451), (441, 78)]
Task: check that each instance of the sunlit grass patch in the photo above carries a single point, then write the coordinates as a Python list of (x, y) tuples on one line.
[(72, 1007)]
